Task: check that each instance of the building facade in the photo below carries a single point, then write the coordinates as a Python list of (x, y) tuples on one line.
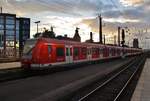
[(11, 35), (23, 31), (7, 35)]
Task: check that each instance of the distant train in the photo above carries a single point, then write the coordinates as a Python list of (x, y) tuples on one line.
[(47, 52)]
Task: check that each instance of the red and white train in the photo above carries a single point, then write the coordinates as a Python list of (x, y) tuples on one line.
[(46, 52)]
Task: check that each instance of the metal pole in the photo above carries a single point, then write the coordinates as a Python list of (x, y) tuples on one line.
[(15, 51), (100, 29), (104, 39), (37, 22), (114, 39), (4, 53), (123, 37), (37, 28), (1, 10), (119, 36)]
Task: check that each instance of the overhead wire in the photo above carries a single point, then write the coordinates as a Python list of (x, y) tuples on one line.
[(119, 9)]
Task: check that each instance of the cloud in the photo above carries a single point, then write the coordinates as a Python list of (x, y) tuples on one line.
[(74, 8), (72, 13), (131, 2)]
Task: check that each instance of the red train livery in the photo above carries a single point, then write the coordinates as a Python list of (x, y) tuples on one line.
[(46, 52)]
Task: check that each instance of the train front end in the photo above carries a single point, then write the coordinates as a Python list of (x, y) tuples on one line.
[(28, 56)]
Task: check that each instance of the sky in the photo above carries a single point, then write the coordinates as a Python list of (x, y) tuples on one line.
[(66, 15)]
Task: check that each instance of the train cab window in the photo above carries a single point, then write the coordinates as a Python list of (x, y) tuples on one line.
[(49, 49), (76, 52), (67, 51), (29, 45), (60, 51)]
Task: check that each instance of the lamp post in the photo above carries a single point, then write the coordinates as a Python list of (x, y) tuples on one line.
[(37, 22)]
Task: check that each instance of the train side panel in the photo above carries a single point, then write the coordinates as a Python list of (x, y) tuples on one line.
[(49, 52)]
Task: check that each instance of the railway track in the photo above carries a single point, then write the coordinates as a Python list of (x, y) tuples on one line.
[(19, 73), (112, 87)]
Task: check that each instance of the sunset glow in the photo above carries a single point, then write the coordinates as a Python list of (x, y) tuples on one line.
[(66, 15)]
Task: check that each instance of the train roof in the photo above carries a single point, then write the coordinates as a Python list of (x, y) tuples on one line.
[(68, 42)]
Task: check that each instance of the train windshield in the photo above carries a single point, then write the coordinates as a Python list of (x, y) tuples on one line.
[(29, 45)]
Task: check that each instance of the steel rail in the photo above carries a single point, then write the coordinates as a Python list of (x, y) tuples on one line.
[(129, 80), (107, 81)]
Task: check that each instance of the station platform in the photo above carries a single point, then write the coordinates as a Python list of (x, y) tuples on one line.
[(142, 90), (9, 65)]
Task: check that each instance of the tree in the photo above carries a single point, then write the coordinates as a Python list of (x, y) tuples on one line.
[(37, 35), (46, 33)]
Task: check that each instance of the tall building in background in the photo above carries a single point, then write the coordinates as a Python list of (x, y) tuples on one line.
[(13, 33), (7, 35), (24, 32)]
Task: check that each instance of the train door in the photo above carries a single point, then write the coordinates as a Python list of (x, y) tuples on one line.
[(110, 51), (101, 52), (69, 57), (89, 53)]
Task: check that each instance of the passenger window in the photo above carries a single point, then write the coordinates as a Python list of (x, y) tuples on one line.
[(49, 49), (88, 51), (97, 51), (76, 51), (93, 50), (70, 51), (83, 50), (100, 50), (60, 52), (67, 51)]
